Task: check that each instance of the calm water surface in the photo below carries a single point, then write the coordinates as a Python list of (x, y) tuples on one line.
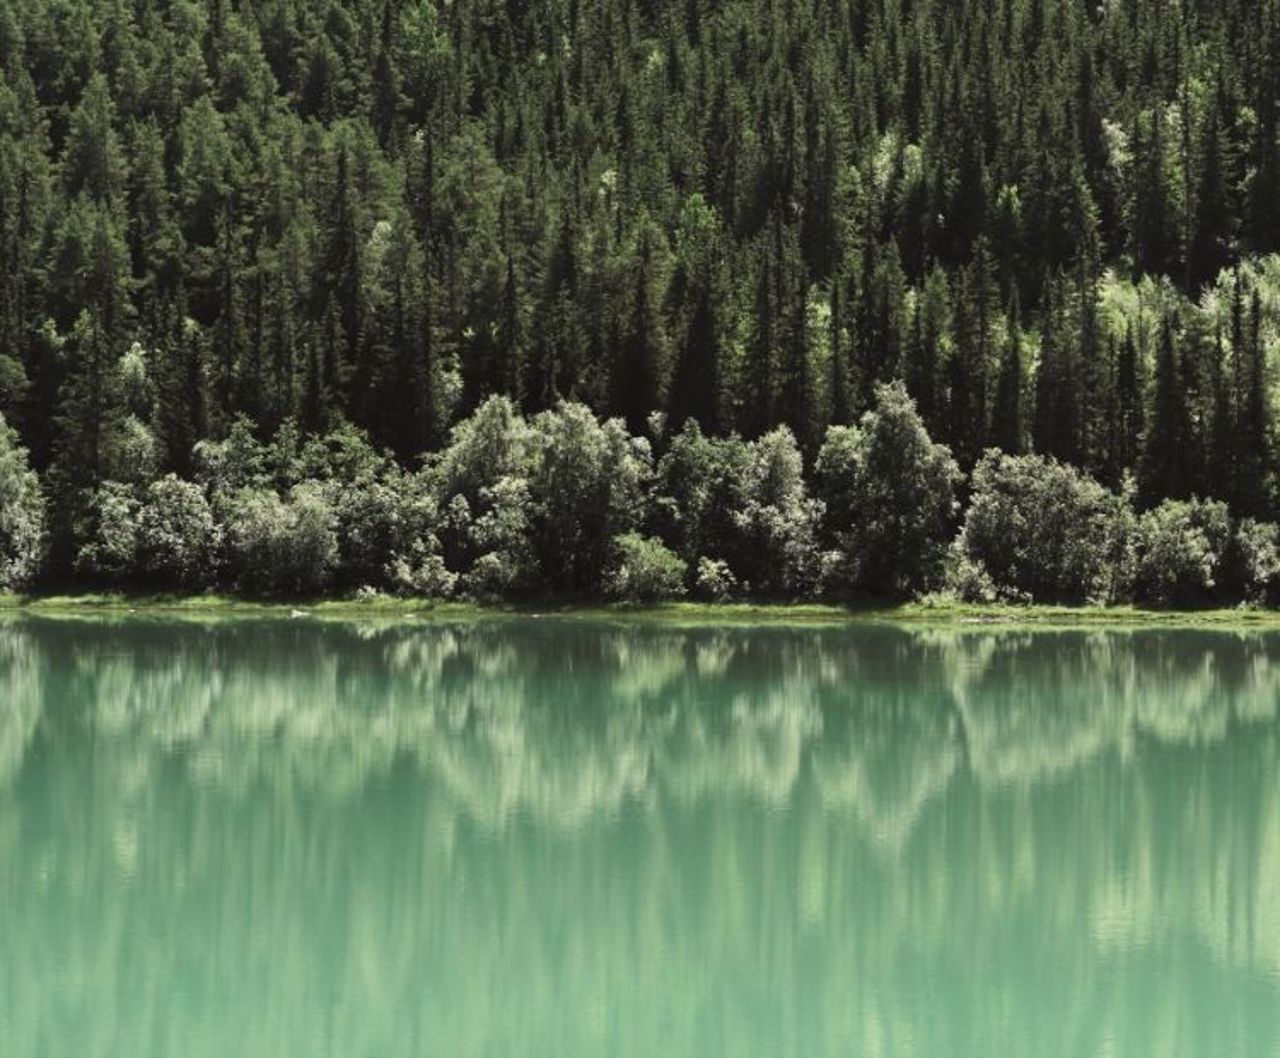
[(572, 839)]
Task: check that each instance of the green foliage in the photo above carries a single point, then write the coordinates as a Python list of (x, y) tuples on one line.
[(421, 572), (715, 581), (482, 484), (586, 486), (1251, 571), (1182, 546), (500, 535), (178, 541), (493, 443), (260, 246), (699, 482), (235, 462), (281, 545), (646, 570), (889, 493), (21, 515), (774, 546), (1042, 531), (109, 531)]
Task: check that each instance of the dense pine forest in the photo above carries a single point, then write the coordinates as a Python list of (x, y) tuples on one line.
[(766, 298)]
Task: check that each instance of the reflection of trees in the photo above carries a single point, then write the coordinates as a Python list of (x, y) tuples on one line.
[(565, 719), (768, 829), (891, 756), (20, 700), (436, 834), (1035, 705)]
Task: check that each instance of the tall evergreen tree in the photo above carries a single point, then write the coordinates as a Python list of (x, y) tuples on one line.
[(639, 376), (1007, 428), (1165, 472)]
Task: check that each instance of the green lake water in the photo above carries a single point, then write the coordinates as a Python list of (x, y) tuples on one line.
[(567, 838)]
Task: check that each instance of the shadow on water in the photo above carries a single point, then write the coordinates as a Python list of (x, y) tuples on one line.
[(563, 837)]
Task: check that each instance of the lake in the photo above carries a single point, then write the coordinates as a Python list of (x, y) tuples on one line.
[(575, 838)]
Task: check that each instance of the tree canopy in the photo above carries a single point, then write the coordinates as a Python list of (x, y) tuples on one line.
[(1055, 223)]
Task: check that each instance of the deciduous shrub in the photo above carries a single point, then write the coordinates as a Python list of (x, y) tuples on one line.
[(699, 483), (715, 581), (282, 545), (586, 487), (108, 529), (1251, 570), (1046, 532), (1181, 548), (499, 535), (481, 481), (21, 515), (178, 540), (237, 461), (774, 548), (419, 570), (889, 495), (646, 570)]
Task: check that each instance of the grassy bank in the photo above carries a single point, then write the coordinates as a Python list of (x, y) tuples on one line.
[(386, 607)]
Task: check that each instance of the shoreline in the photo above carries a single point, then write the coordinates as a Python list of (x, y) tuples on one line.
[(923, 614)]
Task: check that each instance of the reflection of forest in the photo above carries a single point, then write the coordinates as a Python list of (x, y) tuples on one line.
[(563, 720), (529, 802)]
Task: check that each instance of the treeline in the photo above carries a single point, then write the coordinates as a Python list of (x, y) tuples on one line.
[(565, 505), (1054, 220)]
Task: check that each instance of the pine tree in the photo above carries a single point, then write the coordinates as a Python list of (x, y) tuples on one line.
[(639, 375), (346, 371), (1057, 414), (511, 335), (1164, 471), (839, 386), (1007, 418), (699, 380), (760, 383), (1252, 448), (1153, 220), (973, 355), (1211, 236), (93, 163), (930, 326), (559, 338), (1128, 419)]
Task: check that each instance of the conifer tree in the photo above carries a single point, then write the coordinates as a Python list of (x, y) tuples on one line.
[(1165, 472)]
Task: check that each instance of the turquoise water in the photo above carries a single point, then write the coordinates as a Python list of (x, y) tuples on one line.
[(547, 837)]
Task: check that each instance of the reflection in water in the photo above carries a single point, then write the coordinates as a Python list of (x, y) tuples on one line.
[(555, 837)]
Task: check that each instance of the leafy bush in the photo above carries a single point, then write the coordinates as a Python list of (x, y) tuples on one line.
[(381, 519), (1044, 531), (699, 483), (233, 463), (421, 571), (586, 487), (1251, 569), (969, 581), (889, 494), (775, 546), (500, 536), (108, 529), (646, 571), (21, 515), (178, 540), (482, 486), (741, 506), (494, 443), (279, 545), (1181, 547), (131, 453), (715, 581)]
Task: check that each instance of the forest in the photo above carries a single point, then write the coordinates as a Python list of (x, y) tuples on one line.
[(772, 299)]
